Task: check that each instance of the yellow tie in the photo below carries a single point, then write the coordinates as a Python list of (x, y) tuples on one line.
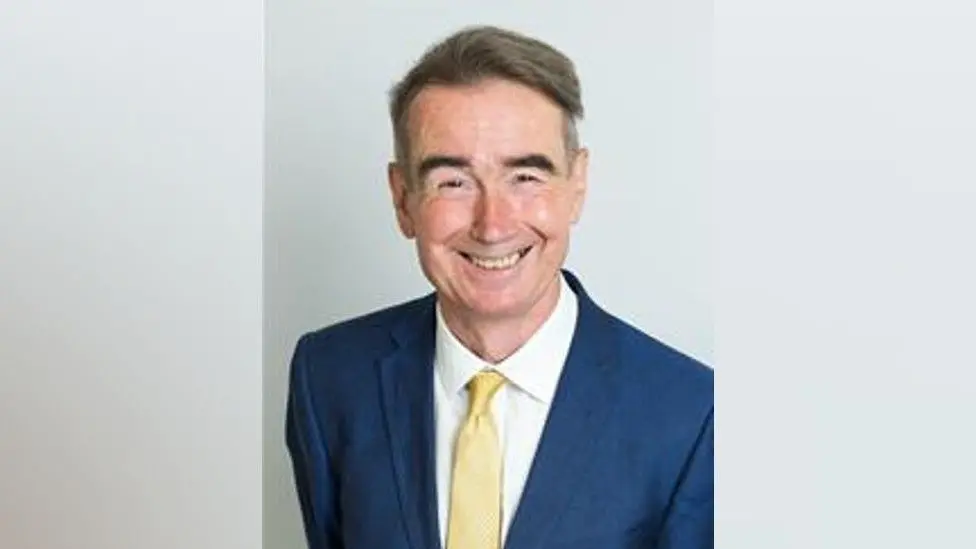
[(475, 511)]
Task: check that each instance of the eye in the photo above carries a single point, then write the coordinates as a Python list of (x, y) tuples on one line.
[(451, 184), (526, 178)]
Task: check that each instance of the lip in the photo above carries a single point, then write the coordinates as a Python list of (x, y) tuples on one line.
[(524, 251)]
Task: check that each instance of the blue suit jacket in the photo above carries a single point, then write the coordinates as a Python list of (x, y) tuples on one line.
[(625, 459)]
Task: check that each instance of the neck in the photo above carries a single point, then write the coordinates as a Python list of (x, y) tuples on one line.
[(495, 339)]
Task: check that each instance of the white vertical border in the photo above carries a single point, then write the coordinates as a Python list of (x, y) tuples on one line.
[(130, 274), (845, 226)]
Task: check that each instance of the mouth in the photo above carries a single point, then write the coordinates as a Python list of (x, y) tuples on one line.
[(497, 263)]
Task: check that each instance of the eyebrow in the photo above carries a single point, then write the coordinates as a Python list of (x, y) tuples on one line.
[(433, 162), (535, 160)]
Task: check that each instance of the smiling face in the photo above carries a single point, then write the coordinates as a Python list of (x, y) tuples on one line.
[(489, 194)]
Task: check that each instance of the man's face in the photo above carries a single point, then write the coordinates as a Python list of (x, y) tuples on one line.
[(489, 194)]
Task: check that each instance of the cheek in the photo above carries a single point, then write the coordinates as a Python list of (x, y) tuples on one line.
[(547, 214), (442, 220)]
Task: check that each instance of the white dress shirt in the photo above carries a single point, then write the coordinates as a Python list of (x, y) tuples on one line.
[(520, 407)]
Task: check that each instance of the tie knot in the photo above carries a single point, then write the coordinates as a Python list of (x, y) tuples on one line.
[(480, 390)]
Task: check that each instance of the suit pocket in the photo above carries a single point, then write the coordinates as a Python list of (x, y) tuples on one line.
[(635, 537)]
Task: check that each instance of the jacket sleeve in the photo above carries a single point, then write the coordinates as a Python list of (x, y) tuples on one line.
[(689, 523), (315, 481)]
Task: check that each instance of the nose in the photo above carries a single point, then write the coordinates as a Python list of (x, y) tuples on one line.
[(494, 219)]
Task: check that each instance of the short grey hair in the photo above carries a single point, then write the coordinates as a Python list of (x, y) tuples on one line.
[(477, 53)]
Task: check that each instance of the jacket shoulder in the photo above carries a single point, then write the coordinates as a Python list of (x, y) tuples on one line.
[(364, 325), (682, 376), (360, 337)]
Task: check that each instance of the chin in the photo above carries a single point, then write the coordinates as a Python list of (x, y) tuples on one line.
[(499, 303), (496, 311), (493, 292)]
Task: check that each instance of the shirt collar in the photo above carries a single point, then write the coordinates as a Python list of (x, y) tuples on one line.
[(534, 368)]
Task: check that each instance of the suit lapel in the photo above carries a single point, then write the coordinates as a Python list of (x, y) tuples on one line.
[(581, 405), (408, 405)]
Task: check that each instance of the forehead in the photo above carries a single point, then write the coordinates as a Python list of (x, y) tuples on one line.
[(487, 121)]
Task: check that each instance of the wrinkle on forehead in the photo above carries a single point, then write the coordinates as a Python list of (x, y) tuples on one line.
[(486, 123)]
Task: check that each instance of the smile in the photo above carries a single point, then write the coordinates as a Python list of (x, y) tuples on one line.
[(497, 263)]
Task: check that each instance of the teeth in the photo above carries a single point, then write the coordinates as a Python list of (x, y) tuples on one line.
[(496, 263)]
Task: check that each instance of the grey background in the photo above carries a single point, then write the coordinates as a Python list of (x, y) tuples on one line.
[(331, 245), (130, 274), (845, 189)]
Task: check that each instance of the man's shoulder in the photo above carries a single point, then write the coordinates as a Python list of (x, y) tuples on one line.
[(369, 331), (646, 359), (664, 366)]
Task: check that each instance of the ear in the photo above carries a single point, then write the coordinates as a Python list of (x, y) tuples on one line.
[(400, 193), (578, 180)]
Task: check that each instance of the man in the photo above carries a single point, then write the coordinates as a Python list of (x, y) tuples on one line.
[(505, 408)]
